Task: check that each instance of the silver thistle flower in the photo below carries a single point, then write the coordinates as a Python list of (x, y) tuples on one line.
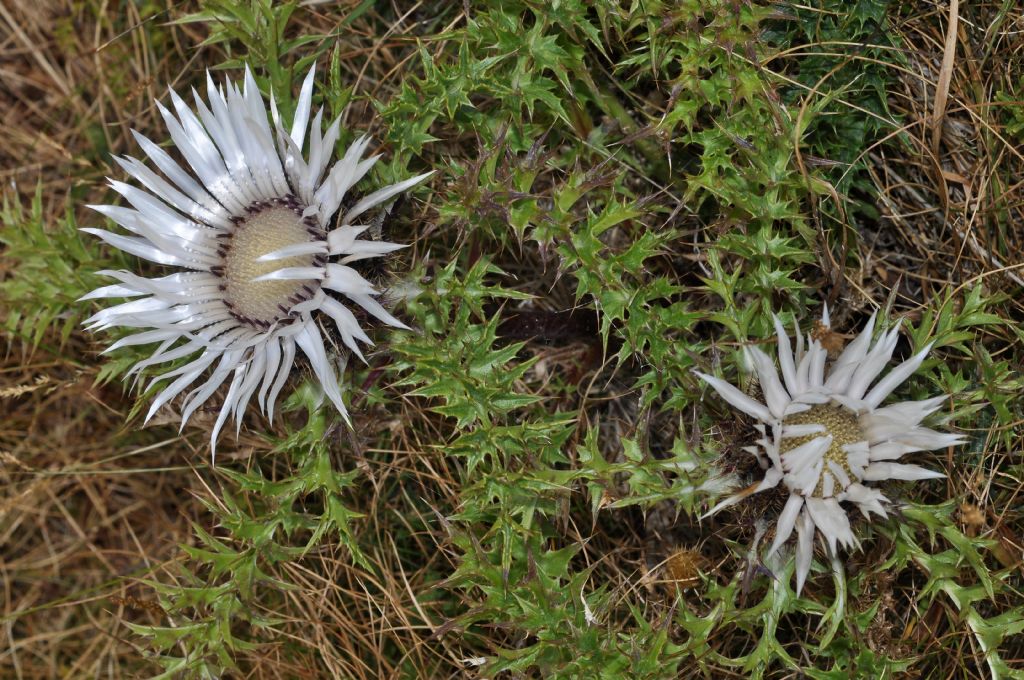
[(830, 437), (251, 226)]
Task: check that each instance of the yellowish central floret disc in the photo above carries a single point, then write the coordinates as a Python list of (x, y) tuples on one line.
[(839, 422), (263, 232)]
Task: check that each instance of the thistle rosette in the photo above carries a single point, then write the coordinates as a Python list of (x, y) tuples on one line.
[(826, 436), (262, 236)]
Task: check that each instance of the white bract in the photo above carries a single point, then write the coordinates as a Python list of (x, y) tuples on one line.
[(252, 225), (830, 436)]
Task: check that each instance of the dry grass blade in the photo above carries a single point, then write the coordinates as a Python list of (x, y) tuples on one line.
[(945, 75)]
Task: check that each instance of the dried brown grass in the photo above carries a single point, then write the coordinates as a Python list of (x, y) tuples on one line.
[(955, 201), (82, 518), (956, 205), (83, 512)]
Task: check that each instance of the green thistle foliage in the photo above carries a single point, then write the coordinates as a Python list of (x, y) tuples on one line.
[(639, 162), (254, 32), (48, 267), (263, 521)]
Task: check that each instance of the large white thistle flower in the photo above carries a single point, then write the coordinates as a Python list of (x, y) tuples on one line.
[(830, 437), (258, 230)]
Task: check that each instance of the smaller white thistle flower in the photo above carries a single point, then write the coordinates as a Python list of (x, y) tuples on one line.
[(264, 240), (830, 437)]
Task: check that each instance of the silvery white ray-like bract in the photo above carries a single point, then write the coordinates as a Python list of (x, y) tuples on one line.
[(830, 436), (249, 223)]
